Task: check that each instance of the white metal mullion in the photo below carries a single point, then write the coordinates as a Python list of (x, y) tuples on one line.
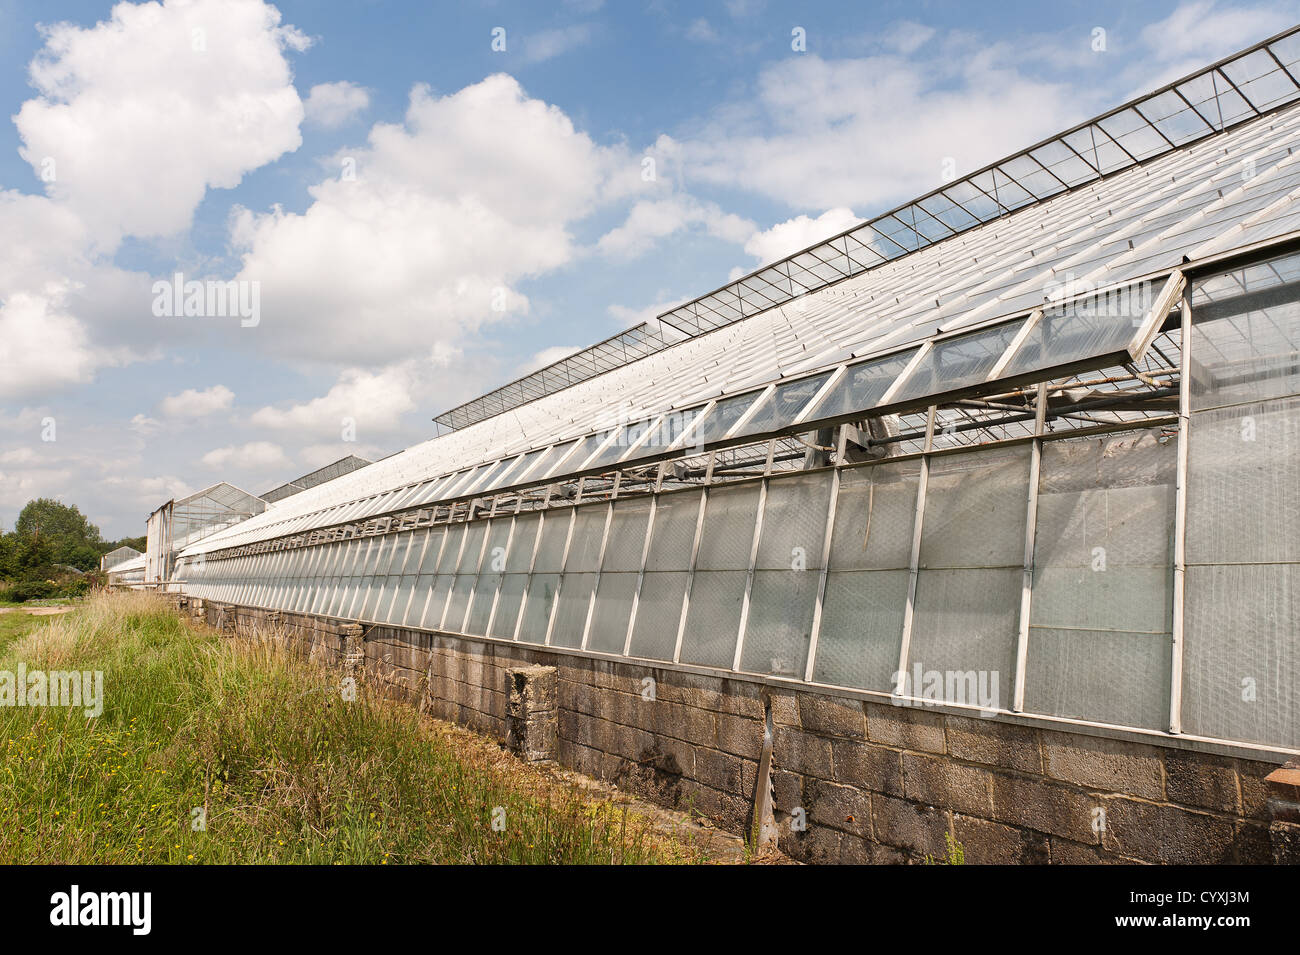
[(819, 603), (1017, 340), (1178, 622), (1031, 524), (822, 392), (695, 553), (564, 562), (428, 598), (753, 560), (645, 557), (914, 562), (460, 553), (496, 596), (419, 562), (752, 410), (600, 562), (921, 354), (532, 561), (478, 569)]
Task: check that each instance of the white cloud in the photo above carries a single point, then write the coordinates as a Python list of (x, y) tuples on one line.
[(786, 238), (474, 192), (362, 402), (331, 105), (253, 456), (548, 356), (1202, 31), (825, 133), (701, 31), (192, 403), (653, 219), (145, 426), (548, 44), (144, 112)]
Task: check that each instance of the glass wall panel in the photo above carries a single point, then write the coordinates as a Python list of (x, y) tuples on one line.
[(618, 574), (659, 606), (866, 581), (1101, 612), (718, 589), (787, 572), (964, 628)]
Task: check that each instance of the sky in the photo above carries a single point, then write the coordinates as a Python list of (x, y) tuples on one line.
[(418, 202)]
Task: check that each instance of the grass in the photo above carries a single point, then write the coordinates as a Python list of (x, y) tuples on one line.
[(211, 750)]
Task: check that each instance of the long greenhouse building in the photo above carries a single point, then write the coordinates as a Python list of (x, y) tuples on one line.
[(978, 520)]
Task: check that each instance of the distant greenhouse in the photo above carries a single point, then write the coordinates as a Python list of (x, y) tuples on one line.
[(1040, 426)]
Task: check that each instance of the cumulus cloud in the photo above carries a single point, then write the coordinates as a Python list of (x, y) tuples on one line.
[(331, 105), (144, 112), (253, 456), (548, 44), (361, 402), (786, 238), (192, 403), (653, 219), (134, 120), (447, 212)]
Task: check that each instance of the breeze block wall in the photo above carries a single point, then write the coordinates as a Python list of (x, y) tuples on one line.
[(855, 781)]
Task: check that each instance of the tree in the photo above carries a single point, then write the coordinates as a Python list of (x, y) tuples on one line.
[(50, 532)]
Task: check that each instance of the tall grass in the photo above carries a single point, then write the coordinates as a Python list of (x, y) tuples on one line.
[(213, 750)]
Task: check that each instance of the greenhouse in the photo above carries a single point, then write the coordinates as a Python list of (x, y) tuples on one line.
[(1028, 445)]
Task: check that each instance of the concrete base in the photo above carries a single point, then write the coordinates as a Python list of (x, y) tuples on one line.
[(854, 781)]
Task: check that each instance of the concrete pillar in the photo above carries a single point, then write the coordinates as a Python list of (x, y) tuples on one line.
[(354, 651), (532, 713)]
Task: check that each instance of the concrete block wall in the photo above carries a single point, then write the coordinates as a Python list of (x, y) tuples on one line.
[(855, 781)]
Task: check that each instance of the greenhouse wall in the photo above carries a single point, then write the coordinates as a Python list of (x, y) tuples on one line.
[(1111, 613)]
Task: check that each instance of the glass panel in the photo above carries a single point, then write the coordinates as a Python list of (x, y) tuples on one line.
[(1246, 335), (1241, 658), (626, 535), (1099, 639), (537, 608), (713, 620), (659, 611), (613, 611), (862, 628), (785, 403), (669, 429), (571, 617), (958, 362), (964, 629), (728, 534), (862, 385), (720, 420), (1091, 329), (507, 612)]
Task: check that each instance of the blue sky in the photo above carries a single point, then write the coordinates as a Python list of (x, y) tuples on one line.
[(499, 213)]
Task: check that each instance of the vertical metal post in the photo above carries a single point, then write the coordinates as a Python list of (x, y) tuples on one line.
[(428, 600), (600, 562), (753, 561), (532, 561), (460, 554), (695, 553), (1178, 622), (914, 562), (645, 557), (1031, 522), (564, 564), (819, 603)]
